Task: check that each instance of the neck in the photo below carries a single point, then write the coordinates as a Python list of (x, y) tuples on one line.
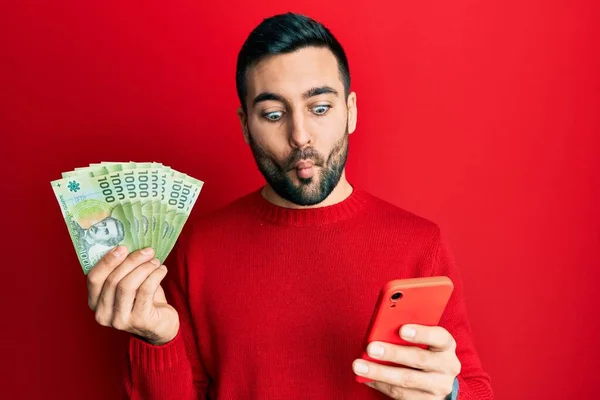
[(340, 193)]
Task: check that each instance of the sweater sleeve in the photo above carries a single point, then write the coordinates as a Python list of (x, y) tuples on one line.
[(173, 370), (474, 382)]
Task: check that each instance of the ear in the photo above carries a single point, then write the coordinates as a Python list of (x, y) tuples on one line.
[(244, 123), (352, 112)]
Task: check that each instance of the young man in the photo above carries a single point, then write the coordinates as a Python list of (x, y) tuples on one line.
[(270, 296)]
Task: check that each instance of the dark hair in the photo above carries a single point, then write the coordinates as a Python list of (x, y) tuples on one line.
[(285, 33)]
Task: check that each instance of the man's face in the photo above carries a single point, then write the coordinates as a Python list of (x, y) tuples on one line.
[(103, 230), (297, 123)]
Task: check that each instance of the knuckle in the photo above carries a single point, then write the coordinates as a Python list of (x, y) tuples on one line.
[(116, 323), (122, 289), (407, 380), (101, 319), (439, 335), (451, 343), (396, 354), (457, 367), (93, 279), (444, 389), (143, 291), (155, 270), (144, 270), (138, 257), (108, 258), (112, 280), (422, 360), (396, 393), (115, 257), (119, 323), (442, 330)]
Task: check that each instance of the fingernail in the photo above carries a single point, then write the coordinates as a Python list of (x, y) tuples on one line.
[(147, 251), (164, 267), (119, 251), (408, 332), (361, 368), (375, 350), (155, 261)]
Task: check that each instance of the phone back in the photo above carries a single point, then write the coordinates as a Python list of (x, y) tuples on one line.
[(406, 301)]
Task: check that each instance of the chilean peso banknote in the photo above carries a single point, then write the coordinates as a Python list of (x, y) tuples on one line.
[(137, 205)]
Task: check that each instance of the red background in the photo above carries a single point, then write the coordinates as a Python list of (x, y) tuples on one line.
[(480, 115)]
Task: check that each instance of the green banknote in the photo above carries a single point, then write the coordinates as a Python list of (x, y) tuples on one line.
[(116, 177), (142, 188), (181, 196), (95, 219), (133, 204)]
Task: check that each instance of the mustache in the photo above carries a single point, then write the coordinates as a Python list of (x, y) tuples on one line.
[(306, 154)]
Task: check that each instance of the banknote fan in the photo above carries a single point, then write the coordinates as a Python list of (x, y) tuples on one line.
[(137, 205)]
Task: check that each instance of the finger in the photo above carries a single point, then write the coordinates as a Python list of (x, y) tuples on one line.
[(159, 296), (98, 274), (403, 377), (409, 356), (105, 303), (146, 293), (436, 337), (126, 292), (396, 392), (134, 259)]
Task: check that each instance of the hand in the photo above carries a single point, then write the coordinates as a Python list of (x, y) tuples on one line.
[(434, 368), (125, 293)]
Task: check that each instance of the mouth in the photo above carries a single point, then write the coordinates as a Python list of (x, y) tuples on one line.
[(305, 169)]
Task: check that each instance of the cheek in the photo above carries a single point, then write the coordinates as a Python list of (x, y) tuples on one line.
[(328, 132), (270, 138)]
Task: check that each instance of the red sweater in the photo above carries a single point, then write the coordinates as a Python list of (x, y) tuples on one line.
[(274, 302)]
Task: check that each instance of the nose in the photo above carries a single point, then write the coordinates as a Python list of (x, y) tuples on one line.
[(300, 136)]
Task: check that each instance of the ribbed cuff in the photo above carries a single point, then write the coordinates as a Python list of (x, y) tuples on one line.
[(155, 358), (475, 390)]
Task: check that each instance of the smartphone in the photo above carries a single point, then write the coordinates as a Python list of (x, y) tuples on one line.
[(405, 301)]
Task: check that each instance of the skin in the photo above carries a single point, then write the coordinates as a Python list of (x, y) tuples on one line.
[(289, 118), (125, 293), (305, 121), (431, 371)]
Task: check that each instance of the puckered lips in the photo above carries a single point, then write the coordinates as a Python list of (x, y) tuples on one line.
[(305, 169)]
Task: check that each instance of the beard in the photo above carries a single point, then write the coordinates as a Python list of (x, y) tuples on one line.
[(308, 191)]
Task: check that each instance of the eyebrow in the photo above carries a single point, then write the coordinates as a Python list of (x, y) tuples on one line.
[(306, 95)]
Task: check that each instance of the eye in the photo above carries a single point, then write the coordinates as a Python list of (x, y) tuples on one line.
[(321, 109), (106, 231), (273, 115)]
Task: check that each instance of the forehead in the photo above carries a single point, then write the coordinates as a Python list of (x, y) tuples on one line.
[(291, 74)]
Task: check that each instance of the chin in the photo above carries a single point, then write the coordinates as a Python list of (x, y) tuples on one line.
[(310, 195)]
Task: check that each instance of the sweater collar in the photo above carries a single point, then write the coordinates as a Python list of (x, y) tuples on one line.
[(307, 217)]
